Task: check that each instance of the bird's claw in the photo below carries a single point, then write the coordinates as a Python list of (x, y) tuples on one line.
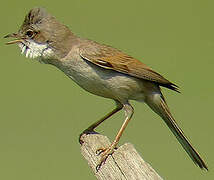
[(100, 150), (103, 158), (104, 152), (87, 131)]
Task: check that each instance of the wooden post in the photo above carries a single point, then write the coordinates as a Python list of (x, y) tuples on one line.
[(124, 164)]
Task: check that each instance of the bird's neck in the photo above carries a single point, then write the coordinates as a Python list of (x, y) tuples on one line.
[(64, 43)]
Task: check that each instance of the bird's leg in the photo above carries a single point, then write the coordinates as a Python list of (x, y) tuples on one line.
[(108, 151), (91, 128)]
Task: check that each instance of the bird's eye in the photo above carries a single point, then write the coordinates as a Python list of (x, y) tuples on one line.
[(29, 33)]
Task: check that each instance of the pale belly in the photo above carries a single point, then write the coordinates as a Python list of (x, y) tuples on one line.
[(104, 82)]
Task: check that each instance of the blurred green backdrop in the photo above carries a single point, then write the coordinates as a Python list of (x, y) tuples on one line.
[(42, 112)]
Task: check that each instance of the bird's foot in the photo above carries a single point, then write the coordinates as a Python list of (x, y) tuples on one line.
[(105, 152), (87, 131)]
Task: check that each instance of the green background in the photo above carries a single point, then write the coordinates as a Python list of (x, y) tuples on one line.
[(42, 111)]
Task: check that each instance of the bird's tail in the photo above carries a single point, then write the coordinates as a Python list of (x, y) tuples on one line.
[(157, 103)]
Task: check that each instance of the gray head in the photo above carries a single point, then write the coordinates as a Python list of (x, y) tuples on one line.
[(41, 35)]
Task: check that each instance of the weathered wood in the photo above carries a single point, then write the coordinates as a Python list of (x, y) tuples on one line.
[(124, 164)]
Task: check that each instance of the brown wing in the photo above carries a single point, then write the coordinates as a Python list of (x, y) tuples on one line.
[(110, 58)]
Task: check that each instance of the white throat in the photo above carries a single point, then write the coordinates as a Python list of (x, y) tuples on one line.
[(32, 49)]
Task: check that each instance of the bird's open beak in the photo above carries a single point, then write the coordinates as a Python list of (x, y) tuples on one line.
[(13, 35)]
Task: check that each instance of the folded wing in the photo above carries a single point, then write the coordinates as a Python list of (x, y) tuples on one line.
[(111, 58)]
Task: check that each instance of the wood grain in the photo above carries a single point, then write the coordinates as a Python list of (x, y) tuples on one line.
[(124, 164)]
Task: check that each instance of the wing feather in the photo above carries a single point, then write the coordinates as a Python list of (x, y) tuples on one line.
[(111, 58)]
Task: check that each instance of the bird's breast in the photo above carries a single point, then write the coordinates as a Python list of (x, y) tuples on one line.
[(102, 82)]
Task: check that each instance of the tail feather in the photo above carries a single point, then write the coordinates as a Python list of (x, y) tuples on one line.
[(158, 105)]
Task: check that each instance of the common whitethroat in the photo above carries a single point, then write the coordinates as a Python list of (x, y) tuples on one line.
[(101, 70)]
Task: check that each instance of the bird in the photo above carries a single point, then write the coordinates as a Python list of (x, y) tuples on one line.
[(101, 70)]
